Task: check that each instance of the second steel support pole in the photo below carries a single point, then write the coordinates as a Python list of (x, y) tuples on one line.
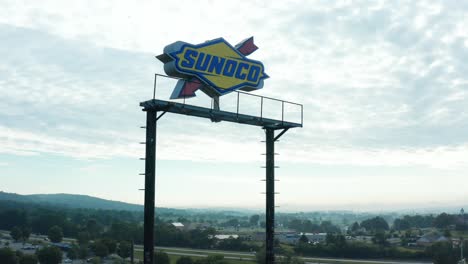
[(150, 168), (270, 195)]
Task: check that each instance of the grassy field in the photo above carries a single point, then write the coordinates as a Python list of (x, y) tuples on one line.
[(173, 257), (458, 234)]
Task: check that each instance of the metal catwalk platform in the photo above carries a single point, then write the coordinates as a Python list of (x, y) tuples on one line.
[(218, 115)]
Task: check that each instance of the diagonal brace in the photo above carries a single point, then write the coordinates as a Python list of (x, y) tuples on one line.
[(161, 115), (281, 133)]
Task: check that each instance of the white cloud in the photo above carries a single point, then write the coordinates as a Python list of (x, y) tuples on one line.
[(382, 82)]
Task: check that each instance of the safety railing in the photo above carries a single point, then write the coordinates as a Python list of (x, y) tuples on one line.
[(238, 102)]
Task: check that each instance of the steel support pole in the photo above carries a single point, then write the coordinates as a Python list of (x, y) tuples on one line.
[(132, 255), (270, 195), (150, 168)]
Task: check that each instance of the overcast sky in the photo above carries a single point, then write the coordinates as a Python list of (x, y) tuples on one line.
[(384, 86)]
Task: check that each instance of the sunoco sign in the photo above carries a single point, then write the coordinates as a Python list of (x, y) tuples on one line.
[(215, 67)]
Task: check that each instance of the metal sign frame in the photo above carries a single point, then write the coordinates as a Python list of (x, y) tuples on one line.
[(152, 107)]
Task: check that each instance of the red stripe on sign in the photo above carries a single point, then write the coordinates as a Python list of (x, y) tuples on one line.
[(190, 87), (247, 47)]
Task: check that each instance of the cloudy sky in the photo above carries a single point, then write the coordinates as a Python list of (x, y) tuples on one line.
[(384, 86)]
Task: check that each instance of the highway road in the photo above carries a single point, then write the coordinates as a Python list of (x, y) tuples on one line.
[(251, 256)]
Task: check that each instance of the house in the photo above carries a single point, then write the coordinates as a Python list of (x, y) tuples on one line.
[(365, 239), (288, 237), (178, 225), (431, 238), (63, 246), (456, 242), (394, 240), (258, 236), (222, 237), (315, 237), (293, 237)]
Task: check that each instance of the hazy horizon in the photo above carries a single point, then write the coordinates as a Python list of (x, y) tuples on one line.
[(369, 208)]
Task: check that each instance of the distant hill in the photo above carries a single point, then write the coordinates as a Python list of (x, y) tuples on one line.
[(71, 201)]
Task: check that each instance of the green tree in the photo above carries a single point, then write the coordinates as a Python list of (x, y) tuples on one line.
[(15, 233), (380, 239), (8, 256), (303, 239), (49, 255), (55, 234), (447, 233), (83, 252), (402, 224), (328, 227), (442, 253), (25, 233), (110, 244), (184, 260), (28, 259), (93, 228), (260, 256), (337, 240), (125, 249), (375, 224), (286, 256), (100, 249), (96, 261), (161, 258), (83, 238), (355, 227), (444, 220), (296, 224), (231, 223), (254, 220), (73, 252)]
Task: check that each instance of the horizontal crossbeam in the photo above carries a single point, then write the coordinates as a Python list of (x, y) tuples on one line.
[(192, 110)]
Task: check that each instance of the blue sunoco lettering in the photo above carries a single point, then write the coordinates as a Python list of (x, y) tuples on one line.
[(253, 73), (203, 61), (230, 68), (239, 72), (189, 58), (211, 64), (216, 64)]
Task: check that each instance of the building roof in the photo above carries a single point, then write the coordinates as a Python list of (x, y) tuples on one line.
[(226, 236), (431, 238)]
